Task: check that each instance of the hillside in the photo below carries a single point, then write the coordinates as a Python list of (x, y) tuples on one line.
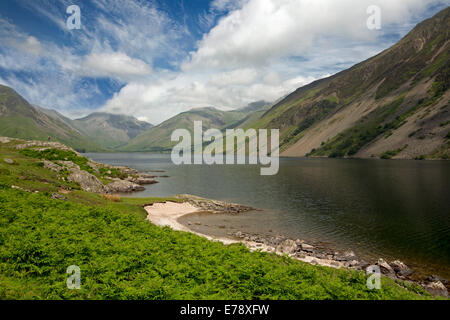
[(110, 130), (19, 119), (394, 105), (158, 137)]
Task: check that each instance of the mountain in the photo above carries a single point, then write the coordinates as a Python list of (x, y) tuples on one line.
[(19, 119), (393, 105), (110, 130), (158, 138)]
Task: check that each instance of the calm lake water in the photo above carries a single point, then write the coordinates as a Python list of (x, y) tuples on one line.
[(377, 208)]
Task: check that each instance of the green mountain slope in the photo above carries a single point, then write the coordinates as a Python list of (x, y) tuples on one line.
[(19, 119), (158, 137), (110, 130), (395, 104)]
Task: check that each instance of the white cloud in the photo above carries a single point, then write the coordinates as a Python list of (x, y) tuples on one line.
[(271, 29), (30, 45), (115, 64)]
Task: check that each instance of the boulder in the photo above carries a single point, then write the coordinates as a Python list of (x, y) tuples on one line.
[(8, 161), (307, 247), (87, 181), (346, 256), (123, 186), (289, 246), (57, 196), (5, 140), (52, 166), (144, 180), (400, 268), (436, 288), (385, 267)]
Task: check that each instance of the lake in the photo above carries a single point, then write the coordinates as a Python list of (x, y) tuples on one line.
[(377, 208)]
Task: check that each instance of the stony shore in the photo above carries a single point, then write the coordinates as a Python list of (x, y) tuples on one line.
[(168, 214), (130, 179)]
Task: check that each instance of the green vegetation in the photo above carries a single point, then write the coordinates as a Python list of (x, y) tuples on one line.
[(350, 141), (58, 154), (392, 153), (123, 256)]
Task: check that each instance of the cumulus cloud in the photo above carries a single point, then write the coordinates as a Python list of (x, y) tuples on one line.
[(115, 64), (270, 29)]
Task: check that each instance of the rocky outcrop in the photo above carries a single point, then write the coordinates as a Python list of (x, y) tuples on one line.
[(5, 140), (57, 196), (214, 206), (42, 145), (401, 269), (123, 186), (385, 268), (142, 179), (52, 166), (88, 182), (436, 288), (8, 161)]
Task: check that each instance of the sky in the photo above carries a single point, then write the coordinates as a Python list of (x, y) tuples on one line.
[(154, 59)]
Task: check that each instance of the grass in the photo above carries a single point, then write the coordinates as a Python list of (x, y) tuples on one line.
[(350, 141), (392, 153), (123, 256)]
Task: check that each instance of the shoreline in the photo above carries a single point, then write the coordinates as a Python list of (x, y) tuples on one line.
[(168, 213)]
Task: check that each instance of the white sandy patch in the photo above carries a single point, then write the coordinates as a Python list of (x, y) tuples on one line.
[(167, 214)]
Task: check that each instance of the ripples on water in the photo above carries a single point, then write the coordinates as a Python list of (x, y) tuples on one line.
[(378, 208)]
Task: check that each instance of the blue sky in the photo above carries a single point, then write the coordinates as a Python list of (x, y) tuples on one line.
[(154, 59)]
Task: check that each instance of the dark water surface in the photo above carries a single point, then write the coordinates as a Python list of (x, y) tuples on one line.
[(378, 208)]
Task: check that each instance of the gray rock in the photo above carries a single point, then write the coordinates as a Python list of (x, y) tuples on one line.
[(436, 288), (385, 267), (400, 268), (57, 196), (123, 186), (5, 140), (8, 161), (87, 181), (307, 247), (52, 166), (434, 278), (289, 246)]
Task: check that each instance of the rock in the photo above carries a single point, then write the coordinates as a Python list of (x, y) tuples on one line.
[(5, 140), (214, 205), (144, 180), (385, 267), (436, 288), (87, 181), (434, 278), (362, 265), (44, 146), (346, 256), (69, 165), (400, 268), (307, 247), (52, 166), (123, 186), (239, 234), (8, 161), (57, 196), (289, 246)]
